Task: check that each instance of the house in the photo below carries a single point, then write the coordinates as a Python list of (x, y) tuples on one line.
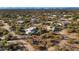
[(53, 28), (34, 20), (65, 23), (48, 28), (57, 28), (51, 17), (3, 37), (20, 21), (78, 20), (54, 15), (30, 30), (69, 19), (67, 16)]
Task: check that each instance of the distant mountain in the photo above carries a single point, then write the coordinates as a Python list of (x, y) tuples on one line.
[(54, 8)]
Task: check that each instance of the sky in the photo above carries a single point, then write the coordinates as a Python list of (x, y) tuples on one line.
[(39, 3)]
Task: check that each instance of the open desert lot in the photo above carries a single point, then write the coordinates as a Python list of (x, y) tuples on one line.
[(39, 29)]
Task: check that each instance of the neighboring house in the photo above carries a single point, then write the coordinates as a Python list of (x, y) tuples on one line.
[(78, 20), (48, 22), (53, 28), (48, 28), (34, 20), (54, 15), (63, 19), (3, 37), (65, 23), (67, 16), (20, 21), (30, 30), (57, 28)]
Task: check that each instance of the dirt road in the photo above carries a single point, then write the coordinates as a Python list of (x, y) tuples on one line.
[(25, 43), (70, 35)]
